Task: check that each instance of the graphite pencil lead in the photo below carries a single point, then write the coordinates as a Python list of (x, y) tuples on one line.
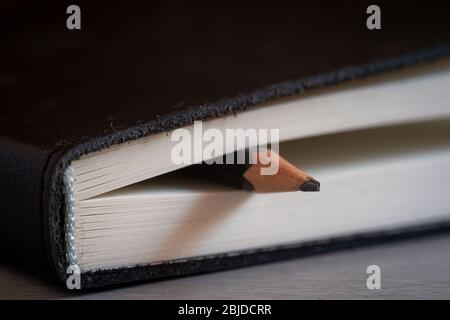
[(310, 185)]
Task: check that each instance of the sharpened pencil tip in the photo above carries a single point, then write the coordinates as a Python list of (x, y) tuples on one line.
[(310, 185)]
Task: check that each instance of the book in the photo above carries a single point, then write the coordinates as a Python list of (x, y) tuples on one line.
[(87, 174), (174, 218)]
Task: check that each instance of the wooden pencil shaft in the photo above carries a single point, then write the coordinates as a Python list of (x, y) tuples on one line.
[(248, 176)]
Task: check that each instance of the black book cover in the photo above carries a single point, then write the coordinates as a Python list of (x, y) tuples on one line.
[(141, 67)]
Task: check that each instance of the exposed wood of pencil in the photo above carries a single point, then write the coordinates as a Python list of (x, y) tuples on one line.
[(287, 178)]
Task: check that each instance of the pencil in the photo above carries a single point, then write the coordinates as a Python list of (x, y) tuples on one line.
[(248, 176)]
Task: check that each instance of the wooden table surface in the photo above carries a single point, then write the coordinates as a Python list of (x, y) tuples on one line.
[(412, 269)]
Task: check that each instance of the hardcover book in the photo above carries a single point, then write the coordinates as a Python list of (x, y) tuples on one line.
[(87, 177)]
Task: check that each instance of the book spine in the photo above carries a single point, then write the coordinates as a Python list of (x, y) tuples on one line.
[(22, 226)]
